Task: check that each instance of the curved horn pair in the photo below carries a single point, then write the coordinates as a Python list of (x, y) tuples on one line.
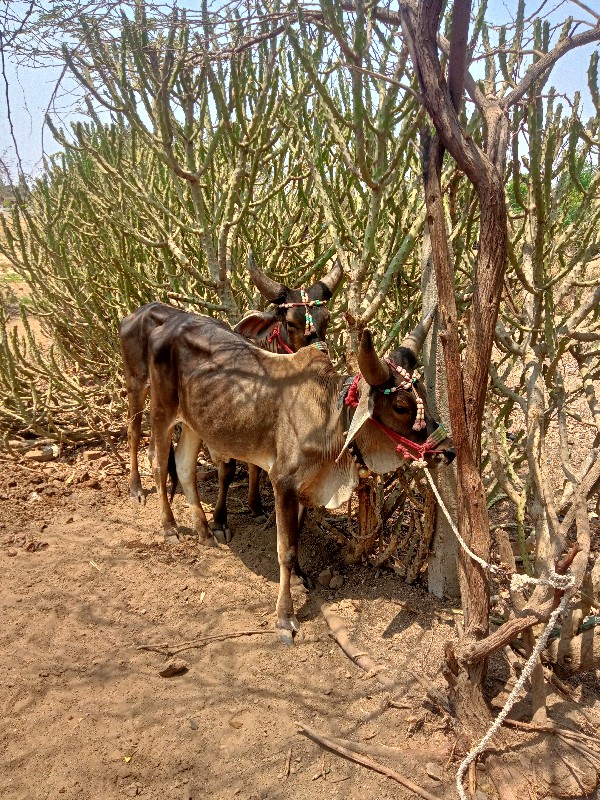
[(375, 371), (272, 290)]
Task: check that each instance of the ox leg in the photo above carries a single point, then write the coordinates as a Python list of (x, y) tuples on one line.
[(307, 582), (186, 459), (286, 511), (254, 499), (136, 396), (219, 525), (161, 443)]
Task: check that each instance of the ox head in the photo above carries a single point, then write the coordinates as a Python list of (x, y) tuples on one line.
[(302, 314), (396, 404)]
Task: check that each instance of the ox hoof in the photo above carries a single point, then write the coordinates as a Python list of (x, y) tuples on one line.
[(206, 541), (260, 519), (285, 637), (222, 535), (287, 630), (139, 495), (172, 536)]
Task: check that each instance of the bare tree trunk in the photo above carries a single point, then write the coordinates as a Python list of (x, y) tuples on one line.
[(466, 386), (442, 570)]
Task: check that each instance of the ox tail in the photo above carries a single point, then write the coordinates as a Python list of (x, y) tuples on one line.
[(172, 472)]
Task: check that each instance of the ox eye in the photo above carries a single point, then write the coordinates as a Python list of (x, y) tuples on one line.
[(401, 410)]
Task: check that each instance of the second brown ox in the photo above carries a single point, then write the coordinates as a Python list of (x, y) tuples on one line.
[(287, 415)]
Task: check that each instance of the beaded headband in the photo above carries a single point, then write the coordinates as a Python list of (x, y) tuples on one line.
[(307, 303), (407, 382)]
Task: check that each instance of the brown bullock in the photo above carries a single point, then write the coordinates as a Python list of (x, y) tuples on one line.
[(283, 330), (285, 414)]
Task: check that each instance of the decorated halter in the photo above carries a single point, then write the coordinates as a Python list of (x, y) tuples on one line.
[(404, 446), (407, 382), (307, 303), (275, 336)]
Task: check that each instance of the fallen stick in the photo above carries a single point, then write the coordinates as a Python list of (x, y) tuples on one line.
[(387, 751), (566, 691), (586, 752), (433, 693), (288, 759), (166, 650), (332, 744), (565, 732), (340, 634)]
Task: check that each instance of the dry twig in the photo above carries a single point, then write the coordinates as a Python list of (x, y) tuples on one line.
[(221, 637), (332, 744)]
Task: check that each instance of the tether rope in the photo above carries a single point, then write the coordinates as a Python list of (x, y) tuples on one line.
[(564, 583)]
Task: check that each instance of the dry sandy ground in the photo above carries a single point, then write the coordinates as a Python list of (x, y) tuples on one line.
[(85, 712)]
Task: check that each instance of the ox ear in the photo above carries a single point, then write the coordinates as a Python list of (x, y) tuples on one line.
[(415, 340), (375, 371), (271, 290), (332, 280), (362, 413), (256, 324)]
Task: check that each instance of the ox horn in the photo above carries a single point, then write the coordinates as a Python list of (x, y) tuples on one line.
[(333, 277), (415, 340), (270, 289), (374, 370)]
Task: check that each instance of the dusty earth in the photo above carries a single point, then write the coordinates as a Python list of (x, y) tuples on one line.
[(86, 713)]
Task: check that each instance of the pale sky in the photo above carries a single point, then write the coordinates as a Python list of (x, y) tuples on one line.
[(30, 92)]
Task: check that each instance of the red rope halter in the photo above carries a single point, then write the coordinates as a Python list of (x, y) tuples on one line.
[(401, 442), (275, 335)]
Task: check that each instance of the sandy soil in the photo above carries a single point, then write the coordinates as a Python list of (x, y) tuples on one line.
[(85, 712)]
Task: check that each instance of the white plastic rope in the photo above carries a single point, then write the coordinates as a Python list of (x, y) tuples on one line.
[(561, 582), (513, 696)]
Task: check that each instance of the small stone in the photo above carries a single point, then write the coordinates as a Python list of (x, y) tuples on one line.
[(194, 724), (69, 520), (347, 675), (207, 474), (11, 552), (325, 578), (43, 453), (132, 790), (434, 771), (174, 667), (93, 455), (44, 674), (336, 582)]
